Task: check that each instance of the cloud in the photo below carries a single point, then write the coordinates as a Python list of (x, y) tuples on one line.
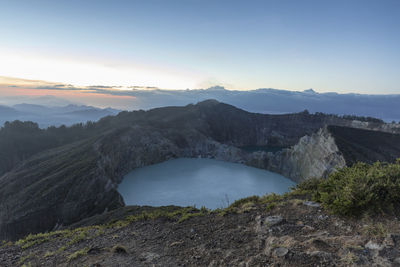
[(57, 87), (102, 87), (131, 91), (137, 87), (97, 95)]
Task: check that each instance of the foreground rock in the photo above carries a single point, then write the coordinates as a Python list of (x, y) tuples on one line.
[(291, 234)]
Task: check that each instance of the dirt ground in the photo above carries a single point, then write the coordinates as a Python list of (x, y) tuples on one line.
[(294, 233)]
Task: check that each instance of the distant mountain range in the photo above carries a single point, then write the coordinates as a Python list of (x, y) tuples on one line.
[(275, 101), (50, 110), (53, 116)]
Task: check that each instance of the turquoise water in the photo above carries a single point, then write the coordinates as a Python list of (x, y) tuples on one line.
[(200, 182)]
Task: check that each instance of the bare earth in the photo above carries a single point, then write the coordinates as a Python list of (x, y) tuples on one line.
[(294, 233)]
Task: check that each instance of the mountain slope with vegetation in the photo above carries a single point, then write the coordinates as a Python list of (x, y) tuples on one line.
[(63, 175), (21, 140)]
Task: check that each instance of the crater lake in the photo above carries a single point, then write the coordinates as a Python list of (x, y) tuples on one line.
[(198, 182)]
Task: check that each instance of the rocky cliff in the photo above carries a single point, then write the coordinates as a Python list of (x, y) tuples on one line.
[(66, 184), (329, 149), (315, 155)]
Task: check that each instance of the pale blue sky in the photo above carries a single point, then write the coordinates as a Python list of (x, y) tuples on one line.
[(344, 46)]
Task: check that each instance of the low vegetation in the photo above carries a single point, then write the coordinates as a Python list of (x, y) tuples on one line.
[(375, 231), (360, 189), (245, 204), (363, 189), (78, 253), (75, 236)]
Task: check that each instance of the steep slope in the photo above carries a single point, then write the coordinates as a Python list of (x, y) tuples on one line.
[(21, 140), (366, 146), (48, 190)]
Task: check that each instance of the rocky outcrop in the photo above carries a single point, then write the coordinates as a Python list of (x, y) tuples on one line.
[(315, 155)]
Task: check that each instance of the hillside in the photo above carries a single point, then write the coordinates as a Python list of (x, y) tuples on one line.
[(77, 177), (366, 146)]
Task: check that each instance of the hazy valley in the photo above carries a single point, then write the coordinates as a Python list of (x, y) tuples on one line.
[(47, 116)]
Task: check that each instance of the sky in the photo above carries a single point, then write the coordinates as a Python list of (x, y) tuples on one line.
[(341, 45)]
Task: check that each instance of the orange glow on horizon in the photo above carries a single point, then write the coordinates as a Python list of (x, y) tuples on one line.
[(15, 91)]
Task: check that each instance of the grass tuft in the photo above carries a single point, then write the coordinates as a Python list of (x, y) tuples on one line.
[(77, 254)]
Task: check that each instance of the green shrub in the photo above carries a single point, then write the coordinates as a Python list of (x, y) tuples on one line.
[(33, 240), (187, 216), (78, 254), (25, 258), (308, 186), (270, 206), (78, 237), (180, 214), (61, 249), (238, 203), (49, 253), (271, 198), (6, 244), (362, 188)]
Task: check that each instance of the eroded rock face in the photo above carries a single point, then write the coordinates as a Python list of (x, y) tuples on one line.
[(327, 150), (313, 156)]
